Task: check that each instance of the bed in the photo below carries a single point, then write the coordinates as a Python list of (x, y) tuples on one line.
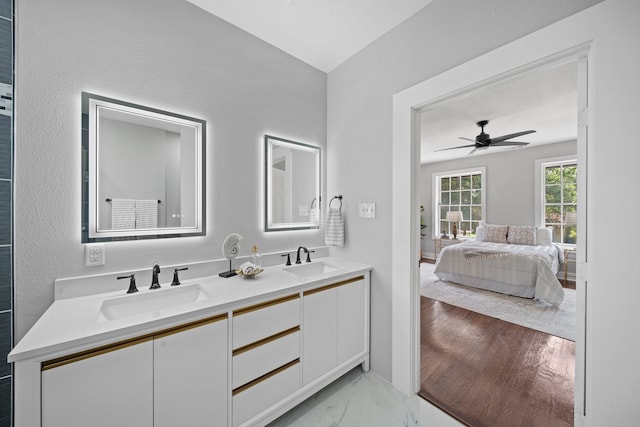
[(505, 266)]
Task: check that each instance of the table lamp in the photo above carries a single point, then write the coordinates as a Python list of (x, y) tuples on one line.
[(455, 217)]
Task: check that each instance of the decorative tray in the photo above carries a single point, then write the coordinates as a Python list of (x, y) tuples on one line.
[(251, 275)]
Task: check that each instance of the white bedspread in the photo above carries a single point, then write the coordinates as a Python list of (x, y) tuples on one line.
[(519, 270)]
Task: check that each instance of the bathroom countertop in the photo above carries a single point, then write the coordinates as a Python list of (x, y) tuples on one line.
[(76, 324)]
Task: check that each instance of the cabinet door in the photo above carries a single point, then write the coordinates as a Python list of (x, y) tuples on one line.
[(320, 323), (352, 324), (191, 376), (112, 388)]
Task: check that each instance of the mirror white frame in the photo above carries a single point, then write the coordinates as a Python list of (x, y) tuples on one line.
[(294, 168), (177, 184)]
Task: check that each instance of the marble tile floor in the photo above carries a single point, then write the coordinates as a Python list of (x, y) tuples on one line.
[(363, 399)]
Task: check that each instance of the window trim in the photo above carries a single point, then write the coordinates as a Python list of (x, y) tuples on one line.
[(539, 182), (435, 194)]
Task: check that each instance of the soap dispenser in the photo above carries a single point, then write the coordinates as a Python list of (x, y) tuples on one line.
[(256, 258)]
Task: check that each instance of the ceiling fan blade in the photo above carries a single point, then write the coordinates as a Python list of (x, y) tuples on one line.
[(511, 135), (505, 143), (453, 148), (467, 139), (478, 148)]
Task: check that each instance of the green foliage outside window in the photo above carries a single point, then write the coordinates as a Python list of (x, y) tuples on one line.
[(560, 197)]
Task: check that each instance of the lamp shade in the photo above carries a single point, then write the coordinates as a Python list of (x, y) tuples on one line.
[(570, 218), (454, 216)]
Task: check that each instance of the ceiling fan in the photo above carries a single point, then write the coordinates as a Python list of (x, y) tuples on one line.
[(483, 140)]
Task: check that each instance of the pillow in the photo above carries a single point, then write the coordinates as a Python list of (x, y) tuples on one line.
[(544, 236), (496, 233), (481, 233), (522, 235)]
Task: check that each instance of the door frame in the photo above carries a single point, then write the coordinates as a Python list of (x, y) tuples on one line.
[(567, 40)]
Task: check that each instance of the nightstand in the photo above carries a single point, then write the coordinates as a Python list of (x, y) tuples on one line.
[(567, 252), (439, 243)]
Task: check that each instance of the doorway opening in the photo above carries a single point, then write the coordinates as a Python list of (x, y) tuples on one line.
[(407, 108), (489, 341)]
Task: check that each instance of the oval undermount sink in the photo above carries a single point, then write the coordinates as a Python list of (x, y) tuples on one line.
[(151, 301), (309, 269)]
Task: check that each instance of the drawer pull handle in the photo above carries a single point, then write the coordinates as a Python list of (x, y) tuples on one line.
[(77, 357), (264, 377), (333, 285), (266, 340), (265, 304)]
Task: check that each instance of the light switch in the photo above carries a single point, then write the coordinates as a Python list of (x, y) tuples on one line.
[(367, 210)]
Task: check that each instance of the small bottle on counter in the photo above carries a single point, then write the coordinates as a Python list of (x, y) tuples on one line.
[(256, 258)]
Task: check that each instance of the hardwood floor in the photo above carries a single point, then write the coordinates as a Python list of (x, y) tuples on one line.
[(487, 372)]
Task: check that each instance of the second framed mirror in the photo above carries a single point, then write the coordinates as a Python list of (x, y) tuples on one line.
[(292, 185)]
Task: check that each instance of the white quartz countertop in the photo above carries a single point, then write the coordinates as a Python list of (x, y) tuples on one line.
[(76, 324)]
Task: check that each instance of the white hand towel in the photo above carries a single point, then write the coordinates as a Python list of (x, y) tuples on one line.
[(146, 213), (123, 214), (334, 233)]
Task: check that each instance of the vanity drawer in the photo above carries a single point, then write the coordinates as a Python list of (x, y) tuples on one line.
[(255, 360), (253, 323), (264, 392)]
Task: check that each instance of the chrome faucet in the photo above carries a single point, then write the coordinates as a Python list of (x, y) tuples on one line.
[(298, 254), (155, 284), (132, 282), (307, 251)]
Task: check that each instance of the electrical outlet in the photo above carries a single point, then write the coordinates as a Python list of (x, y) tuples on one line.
[(367, 210), (93, 254)]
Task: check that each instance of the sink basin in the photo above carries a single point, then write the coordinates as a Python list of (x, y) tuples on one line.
[(152, 301), (309, 269)]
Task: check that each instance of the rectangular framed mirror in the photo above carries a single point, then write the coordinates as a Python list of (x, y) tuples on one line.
[(292, 185), (143, 172)]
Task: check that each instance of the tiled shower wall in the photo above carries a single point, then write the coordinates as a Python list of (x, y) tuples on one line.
[(6, 211)]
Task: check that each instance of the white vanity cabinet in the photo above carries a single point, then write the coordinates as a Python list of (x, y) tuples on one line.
[(190, 375), (104, 388), (335, 322), (266, 356), (241, 358), (168, 378)]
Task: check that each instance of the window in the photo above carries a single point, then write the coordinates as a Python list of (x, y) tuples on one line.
[(462, 190), (558, 195)]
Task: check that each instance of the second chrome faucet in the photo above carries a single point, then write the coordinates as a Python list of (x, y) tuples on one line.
[(307, 251), (155, 283)]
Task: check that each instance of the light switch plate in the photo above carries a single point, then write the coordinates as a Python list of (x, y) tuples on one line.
[(367, 210), (93, 254)]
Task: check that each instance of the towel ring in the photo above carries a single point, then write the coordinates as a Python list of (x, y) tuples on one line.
[(339, 199), (313, 202)]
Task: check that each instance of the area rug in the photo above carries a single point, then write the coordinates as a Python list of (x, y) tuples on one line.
[(559, 321)]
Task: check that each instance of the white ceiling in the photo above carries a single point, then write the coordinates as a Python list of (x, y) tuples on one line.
[(544, 100), (322, 33), (325, 33)]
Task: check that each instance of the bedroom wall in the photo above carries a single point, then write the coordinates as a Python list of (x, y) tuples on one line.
[(170, 55), (359, 135), (510, 193)]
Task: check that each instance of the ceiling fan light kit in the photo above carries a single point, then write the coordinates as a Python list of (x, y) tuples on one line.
[(484, 140)]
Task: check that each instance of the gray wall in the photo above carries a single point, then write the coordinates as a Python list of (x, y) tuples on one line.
[(444, 34), (510, 178), (166, 54)]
